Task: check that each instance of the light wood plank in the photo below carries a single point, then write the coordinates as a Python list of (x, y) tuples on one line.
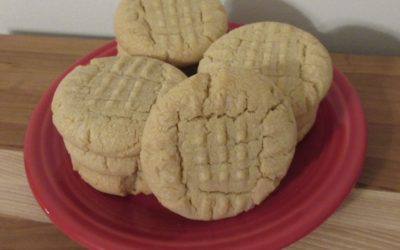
[(15, 195)]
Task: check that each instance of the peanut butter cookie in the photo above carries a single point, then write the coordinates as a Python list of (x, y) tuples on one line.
[(218, 144), (294, 59)]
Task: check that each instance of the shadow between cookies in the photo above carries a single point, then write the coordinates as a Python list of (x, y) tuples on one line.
[(353, 38)]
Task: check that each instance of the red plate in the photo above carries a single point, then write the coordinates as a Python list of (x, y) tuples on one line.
[(326, 165)]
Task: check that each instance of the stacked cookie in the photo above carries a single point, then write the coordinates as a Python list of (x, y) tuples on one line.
[(100, 110), (210, 146)]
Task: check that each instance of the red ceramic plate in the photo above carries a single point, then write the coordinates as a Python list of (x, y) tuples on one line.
[(326, 165)]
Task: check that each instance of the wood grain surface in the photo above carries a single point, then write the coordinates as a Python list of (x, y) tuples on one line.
[(368, 219)]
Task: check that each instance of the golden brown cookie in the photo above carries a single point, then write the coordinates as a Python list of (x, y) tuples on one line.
[(176, 31), (111, 184), (218, 144), (102, 107), (294, 59), (103, 164), (100, 110), (121, 51)]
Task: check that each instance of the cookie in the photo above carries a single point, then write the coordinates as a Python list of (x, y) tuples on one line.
[(102, 107), (294, 59), (306, 122), (176, 31), (218, 144), (115, 185), (121, 51), (104, 165)]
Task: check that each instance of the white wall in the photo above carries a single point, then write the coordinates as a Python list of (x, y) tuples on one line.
[(358, 26), (78, 17)]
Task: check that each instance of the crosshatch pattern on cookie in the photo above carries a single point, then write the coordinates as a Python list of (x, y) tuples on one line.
[(102, 107), (296, 61), (275, 49), (169, 29), (215, 147)]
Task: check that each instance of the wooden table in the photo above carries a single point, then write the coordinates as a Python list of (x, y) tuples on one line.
[(368, 219)]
